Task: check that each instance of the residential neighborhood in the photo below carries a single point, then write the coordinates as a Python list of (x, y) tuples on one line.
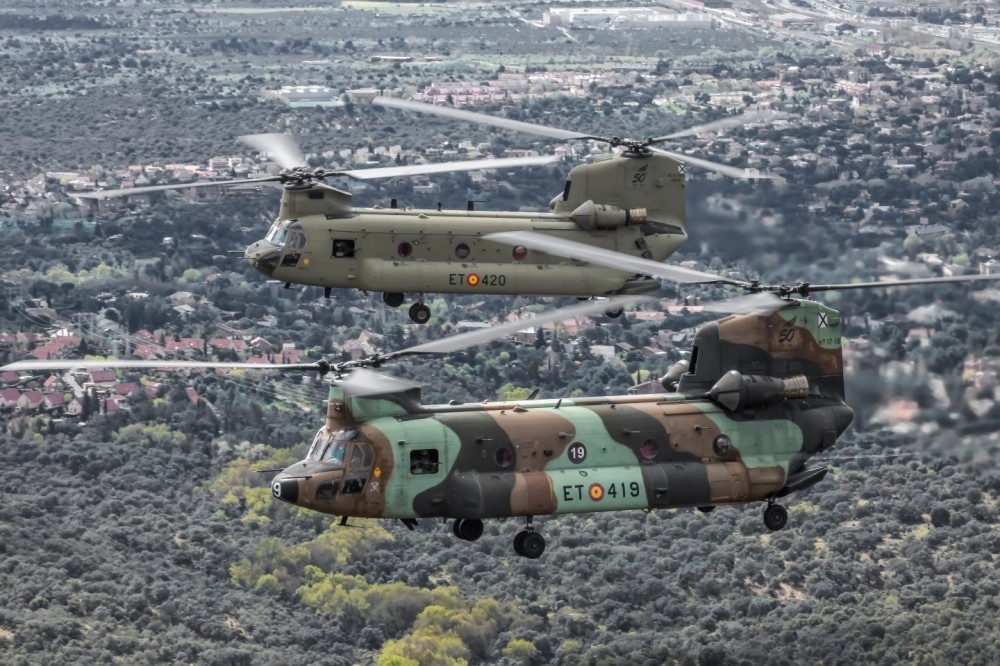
[(140, 520)]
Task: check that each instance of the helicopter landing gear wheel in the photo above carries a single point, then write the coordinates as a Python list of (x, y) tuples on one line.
[(392, 298), (614, 313), (529, 543), (420, 313), (775, 517), (468, 529), (707, 509)]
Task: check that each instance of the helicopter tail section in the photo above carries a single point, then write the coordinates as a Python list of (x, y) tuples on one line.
[(792, 352), (644, 190)]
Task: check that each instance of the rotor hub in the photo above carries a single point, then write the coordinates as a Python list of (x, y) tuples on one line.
[(301, 176)]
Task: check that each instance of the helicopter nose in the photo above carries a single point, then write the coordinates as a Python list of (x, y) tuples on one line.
[(843, 416), (264, 260), (286, 490)]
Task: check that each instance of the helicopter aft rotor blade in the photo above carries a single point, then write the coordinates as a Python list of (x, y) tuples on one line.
[(737, 173), (722, 123), (809, 288), (482, 118), (557, 133)]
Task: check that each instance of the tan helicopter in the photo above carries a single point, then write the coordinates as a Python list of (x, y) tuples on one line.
[(631, 204)]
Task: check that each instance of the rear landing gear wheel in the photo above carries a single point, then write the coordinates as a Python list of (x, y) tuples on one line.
[(529, 544), (775, 517), (519, 543), (392, 298), (420, 313), (706, 509), (614, 313), (468, 529)]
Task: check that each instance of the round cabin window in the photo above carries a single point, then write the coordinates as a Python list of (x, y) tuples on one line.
[(462, 251), (722, 444), (519, 252), (404, 249), (649, 449), (504, 457)]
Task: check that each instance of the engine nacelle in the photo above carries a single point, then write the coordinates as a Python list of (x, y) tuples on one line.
[(669, 380), (736, 392), (590, 216)]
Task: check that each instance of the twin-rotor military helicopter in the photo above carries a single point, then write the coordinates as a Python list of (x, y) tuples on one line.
[(761, 396), (742, 421), (631, 203)]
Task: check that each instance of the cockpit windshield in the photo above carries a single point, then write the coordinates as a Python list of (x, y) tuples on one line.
[(331, 447), (287, 233), (277, 235)]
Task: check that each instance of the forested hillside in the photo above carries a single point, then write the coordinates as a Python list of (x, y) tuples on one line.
[(154, 543), (148, 535)]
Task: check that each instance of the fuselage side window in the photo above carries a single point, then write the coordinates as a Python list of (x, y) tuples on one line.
[(343, 248), (424, 461), (359, 469)]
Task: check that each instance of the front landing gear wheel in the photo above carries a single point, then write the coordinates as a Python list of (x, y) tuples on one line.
[(775, 517), (529, 544), (420, 313), (468, 529), (614, 313), (392, 298)]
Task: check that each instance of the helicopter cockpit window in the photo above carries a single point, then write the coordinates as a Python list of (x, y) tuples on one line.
[(277, 235), (362, 457), (316, 448), (296, 240), (336, 447), (424, 461), (343, 248), (335, 453)]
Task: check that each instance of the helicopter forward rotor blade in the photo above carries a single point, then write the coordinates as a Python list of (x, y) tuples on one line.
[(595, 255), (281, 148), (110, 194), (362, 382), (738, 173), (480, 336), (481, 118), (722, 123), (70, 364), (446, 167)]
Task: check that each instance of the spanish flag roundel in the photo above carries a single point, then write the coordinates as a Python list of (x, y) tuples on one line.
[(596, 492), (472, 280)]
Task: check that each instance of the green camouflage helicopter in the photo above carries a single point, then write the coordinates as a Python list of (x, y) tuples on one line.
[(762, 394)]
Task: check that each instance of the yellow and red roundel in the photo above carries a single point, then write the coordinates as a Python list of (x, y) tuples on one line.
[(596, 492), (472, 280)]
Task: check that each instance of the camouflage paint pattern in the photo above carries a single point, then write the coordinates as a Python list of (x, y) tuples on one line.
[(537, 457)]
